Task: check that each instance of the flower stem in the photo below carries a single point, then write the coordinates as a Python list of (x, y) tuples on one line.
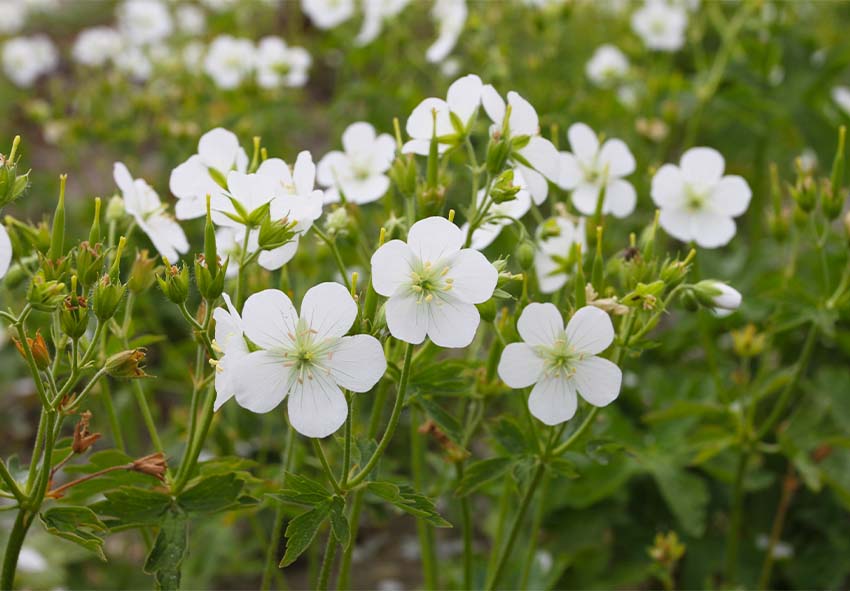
[(277, 527), (466, 521), (337, 256), (789, 487), (327, 562), (320, 453), (13, 548), (423, 529), (734, 533)]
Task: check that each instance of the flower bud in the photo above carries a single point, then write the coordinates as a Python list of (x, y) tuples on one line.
[(74, 314), (210, 279), (12, 185), (722, 298), (431, 200), (674, 272), (142, 273), (57, 235), (107, 298), (498, 151), (487, 310), (503, 189), (275, 233), (127, 364), (174, 283), (44, 295), (337, 221), (88, 263), (404, 174), (115, 209), (832, 200), (525, 255), (15, 276), (38, 348), (804, 193), (644, 295)]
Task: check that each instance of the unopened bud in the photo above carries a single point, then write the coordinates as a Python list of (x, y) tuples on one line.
[(142, 273), (525, 255), (174, 283), (44, 295), (107, 298), (718, 296), (127, 364), (115, 209)]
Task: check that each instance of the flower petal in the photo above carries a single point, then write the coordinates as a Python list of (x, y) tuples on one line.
[(407, 319), (357, 362), (620, 198), (590, 330), (366, 190), (420, 124), (536, 182), (434, 238), (540, 324), (304, 173), (316, 406), (598, 380), (584, 142), (277, 257), (493, 103), (451, 322), (543, 156), (333, 167), (123, 178), (391, 267), (712, 230), (553, 401), (269, 318), (260, 381), (473, 276), (702, 165), (731, 196), (668, 187), (585, 197), (524, 119), (615, 154), (464, 97), (676, 222), (520, 366), (329, 310), (358, 137), (217, 148), (5, 251), (569, 173)]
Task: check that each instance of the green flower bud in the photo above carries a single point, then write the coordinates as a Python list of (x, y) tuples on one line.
[(57, 240), (107, 298), (94, 232), (12, 185), (74, 316), (276, 233), (88, 263), (15, 276), (487, 310), (210, 280), (115, 209), (525, 255), (498, 152), (174, 283), (142, 273), (44, 295), (337, 221), (127, 364), (644, 295), (832, 200), (804, 193), (504, 190), (404, 174)]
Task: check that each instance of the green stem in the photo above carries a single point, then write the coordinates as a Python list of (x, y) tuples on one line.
[(13, 549), (277, 527), (337, 256), (346, 455), (11, 483), (537, 521), (190, 460), (423, 529), (327, 562), (320, 453), (734, 533), (240, 274), (466, 522)]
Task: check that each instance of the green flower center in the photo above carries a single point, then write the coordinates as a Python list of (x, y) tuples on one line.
[(428, 279), (559, 359)]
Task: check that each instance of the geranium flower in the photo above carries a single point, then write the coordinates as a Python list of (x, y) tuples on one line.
[(661, 25), (25, 59), (281, 65), (305, 358), (433, 284), (5, 251), (229, 61), (590, 169), (722, 298), (142, 202), (449, 17), (462, 101), (697, 201), (205, 173), (553, 250), (359, 170), (144, 21), (230, 342), (97, 46), (375, 13), (561, 361), (607, 65), (538, 158), (499, 214), (327, 14)]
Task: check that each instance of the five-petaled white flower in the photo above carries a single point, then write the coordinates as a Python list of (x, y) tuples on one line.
[(661, 25), (144, 21), (553, 250), (359, 170), (462, 102), (697, 201), (96, 46), (281, 65), (538, 152), (306, 358), (231, 345), (142, 202), (607, 65), (499, 215), (433, 284), (205, 173), (561, 361), (25, 59), (229, 61), (591, 169)]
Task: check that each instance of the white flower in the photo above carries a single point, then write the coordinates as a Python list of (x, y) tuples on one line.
[(724, 299), (14, 16), (607, 65), (433, 284), (190, 19), (449, 17), (375, 12), (295, 198), (230, 342), (31, 560), (144, 21), (550, 250), (5, 251), (327, 14), (229, 61), (27, 58), (591, 169), (142, 202), (561, 361), (499, 214), (228, 242), (661, 25), (135, 63), (359, 170), (697, 202), (462, 101), (306, 358), (523, 122), (841, 96), (96, 46), (206, 172), (281, 65)]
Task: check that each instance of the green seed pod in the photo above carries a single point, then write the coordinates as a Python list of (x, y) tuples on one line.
[(107, 297), (174, 283)]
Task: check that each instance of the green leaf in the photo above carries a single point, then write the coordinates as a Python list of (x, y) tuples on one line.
[(132, 506), (211, 494), (480, 473), (339, 522), (301, 531), (445, 421), (168, 550), (302, 491), (511, 436), (685, 408), (366, 448), (563, 467), (77, 524), (408, 500), (686, 495)]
